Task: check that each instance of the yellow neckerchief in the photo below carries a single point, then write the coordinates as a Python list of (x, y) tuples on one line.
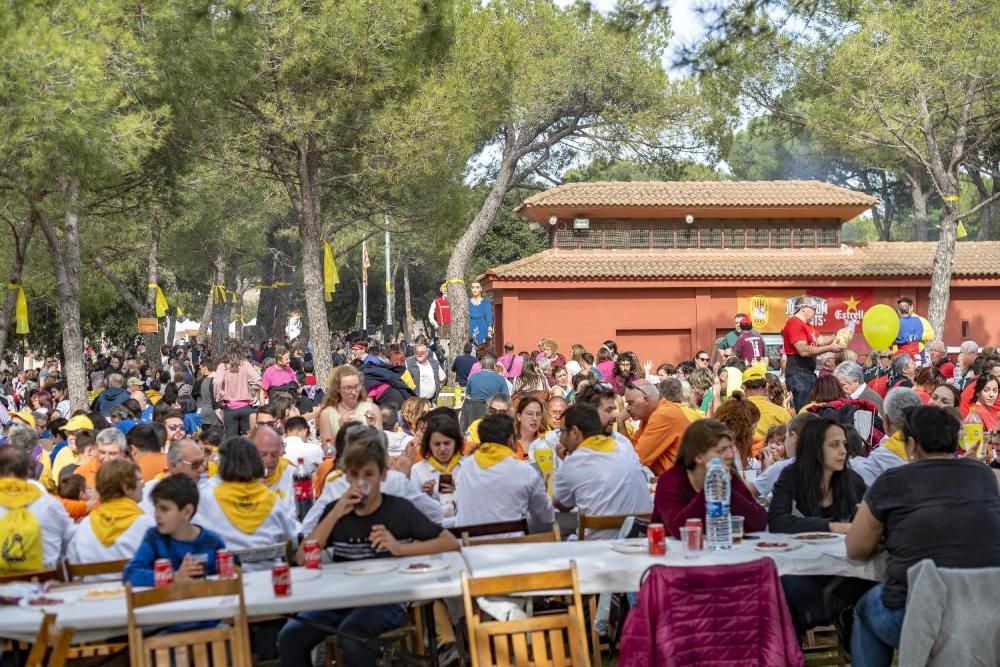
[(599, 443), (488, 454), (434, 463), (111, 519), (245, 504), (17, 493), (272, 480), (896, 445)]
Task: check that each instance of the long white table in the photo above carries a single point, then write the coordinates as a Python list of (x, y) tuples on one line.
[(332, 589), (603, 570)]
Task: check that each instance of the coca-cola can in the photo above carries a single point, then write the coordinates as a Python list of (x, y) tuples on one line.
[(656, 534), (163, 572), (281, 579), (311, 551), (224, 564)]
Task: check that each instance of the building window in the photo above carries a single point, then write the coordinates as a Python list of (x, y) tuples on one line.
[(663, 238), (804, 237), (687, 238), (711, 237), (783, 236), (827, 237), (758, 237), (734, 237)]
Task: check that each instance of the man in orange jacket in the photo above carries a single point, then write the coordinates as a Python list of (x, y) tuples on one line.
[(662, 424)]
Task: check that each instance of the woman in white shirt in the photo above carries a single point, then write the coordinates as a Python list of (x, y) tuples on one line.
[(240, 507), (114, 530), (441, 451)]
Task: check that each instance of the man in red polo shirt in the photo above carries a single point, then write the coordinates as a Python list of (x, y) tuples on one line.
[(802, 343)]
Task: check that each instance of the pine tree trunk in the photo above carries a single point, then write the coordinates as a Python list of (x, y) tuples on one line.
[(65, 258), (206, 317), (310, 230), (172, 325), (220, 318), (22, 238), (919, 197), (407, 302)]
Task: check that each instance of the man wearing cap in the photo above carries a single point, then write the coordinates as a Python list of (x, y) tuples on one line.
[(67, 454), (801, 344), (755, 388), (749, 347)]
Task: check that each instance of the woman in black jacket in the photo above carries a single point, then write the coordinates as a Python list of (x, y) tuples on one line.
[(819, 493)]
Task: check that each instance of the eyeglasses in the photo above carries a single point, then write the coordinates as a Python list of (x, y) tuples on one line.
[(356, 387), (265, 422), (194, 465), (174, 427), (702, 358)]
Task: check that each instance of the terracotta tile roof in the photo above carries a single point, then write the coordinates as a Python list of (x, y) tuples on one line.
[(875, 260), (698, 193)]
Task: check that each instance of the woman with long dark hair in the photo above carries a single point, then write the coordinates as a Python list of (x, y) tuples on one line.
[(818, 493)]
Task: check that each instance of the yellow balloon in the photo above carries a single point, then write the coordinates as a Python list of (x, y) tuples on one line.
[(928, 334), (880, 326)]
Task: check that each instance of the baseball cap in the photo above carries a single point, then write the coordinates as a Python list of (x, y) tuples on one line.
[(133, 381), (744, 321), (754, 373), (25, 416), (78, 423), (359, 346)]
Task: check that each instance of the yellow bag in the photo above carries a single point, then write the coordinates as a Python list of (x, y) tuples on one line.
[(21, 548)]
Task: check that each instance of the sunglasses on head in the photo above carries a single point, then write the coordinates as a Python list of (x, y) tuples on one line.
[(702, 358)]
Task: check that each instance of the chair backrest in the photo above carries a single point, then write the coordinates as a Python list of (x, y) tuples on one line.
[(557, 639), (265, 553), (38, 577), (486, 529), (679, 610), (50, 636), (548, 536), (586, 522), (227, 644), (77, 571)]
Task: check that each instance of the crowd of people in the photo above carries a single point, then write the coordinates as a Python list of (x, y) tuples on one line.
[(210, 453)]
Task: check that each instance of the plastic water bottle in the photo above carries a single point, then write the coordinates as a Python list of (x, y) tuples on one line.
[(718, 526)]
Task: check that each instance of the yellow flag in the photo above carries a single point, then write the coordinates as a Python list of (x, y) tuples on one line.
[(160, 301), (219, 291), (20, 309), (180, 313), (960, 232), (330, 277)]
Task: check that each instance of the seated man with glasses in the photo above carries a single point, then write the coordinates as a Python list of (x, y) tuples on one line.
[(184, 457)]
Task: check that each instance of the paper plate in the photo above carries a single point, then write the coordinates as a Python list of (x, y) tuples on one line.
[(776, 547), (52, 600), (423, 567), (637, 545), (817, 537), (372, 567)]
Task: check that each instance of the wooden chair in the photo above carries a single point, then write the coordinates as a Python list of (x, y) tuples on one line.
[(50, 636), (549, 536), (264, 554), (227, 644), (79, 571), (494, 643), (410, 636), (587, 522), (39, 577), (486, 529), (821, 647)]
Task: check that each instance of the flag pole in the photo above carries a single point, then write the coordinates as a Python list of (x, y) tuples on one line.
[(388, 282)]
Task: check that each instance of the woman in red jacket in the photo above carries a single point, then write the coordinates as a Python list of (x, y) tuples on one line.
[(680, 493)]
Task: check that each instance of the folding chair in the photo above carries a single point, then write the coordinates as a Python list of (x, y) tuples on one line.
[(558, 640), (75, 572), (548, 536), (49, 636)]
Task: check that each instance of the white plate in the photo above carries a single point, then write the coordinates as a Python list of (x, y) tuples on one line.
[(64, 599), (113, 592), (769, 547), (819, 537), (372, 567), (637, 545), (303, 574), (432, 567)]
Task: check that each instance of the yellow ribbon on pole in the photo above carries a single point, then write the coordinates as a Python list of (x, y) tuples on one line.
[(20, 309), (219, 292), (180, 313), (451, 281), (160, 302), (233, 296), (330, 277)]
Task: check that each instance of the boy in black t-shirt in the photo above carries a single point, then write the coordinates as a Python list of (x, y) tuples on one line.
[(359, 526)]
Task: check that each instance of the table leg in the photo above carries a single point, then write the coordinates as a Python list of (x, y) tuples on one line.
[(427, 612)]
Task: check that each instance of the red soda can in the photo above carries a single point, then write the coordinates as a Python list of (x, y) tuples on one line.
[(224, 564), (281, 579), (696, 536), (656, 534), (163, 572), (311, 550)]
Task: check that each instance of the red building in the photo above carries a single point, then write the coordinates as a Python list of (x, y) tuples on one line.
[(662, 267)]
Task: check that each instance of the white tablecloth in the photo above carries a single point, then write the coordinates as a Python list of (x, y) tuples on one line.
[(603, 570), (333, 589)]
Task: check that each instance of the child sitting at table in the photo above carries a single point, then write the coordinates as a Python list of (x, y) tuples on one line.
[(190, 548), (363, 523)]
